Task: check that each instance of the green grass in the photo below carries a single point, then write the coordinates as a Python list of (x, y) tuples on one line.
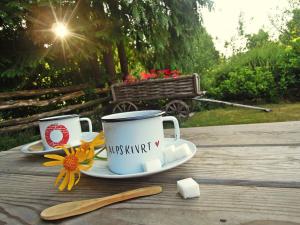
[(233, 115)]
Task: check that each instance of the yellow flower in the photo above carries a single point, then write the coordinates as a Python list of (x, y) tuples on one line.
[(88, 148), (97, 141), (72, 164), (81, 158)]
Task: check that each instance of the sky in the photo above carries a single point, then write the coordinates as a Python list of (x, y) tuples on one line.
[(222, 22)]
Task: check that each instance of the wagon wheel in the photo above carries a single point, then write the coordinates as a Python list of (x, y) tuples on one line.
[(125, 107), (178, 108)]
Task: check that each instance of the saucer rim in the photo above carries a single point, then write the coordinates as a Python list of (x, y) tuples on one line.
[(25, 147), (142, 174)]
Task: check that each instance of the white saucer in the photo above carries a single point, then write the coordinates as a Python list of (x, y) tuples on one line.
[(37, 148), (100, 168)]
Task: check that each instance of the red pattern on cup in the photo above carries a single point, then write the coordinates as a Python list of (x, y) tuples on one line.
[(62, 129)]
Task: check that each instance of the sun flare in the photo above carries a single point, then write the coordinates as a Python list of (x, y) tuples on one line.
[(60, 30)]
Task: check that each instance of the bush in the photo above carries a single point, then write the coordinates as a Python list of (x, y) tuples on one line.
[(246, 84), (265, 73)]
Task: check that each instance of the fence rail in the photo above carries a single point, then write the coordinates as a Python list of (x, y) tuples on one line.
[(73, 92), (37, 92)]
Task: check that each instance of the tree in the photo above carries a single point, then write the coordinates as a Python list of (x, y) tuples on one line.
[(202, 54), (158, 33), (291, 39), (257, 40)]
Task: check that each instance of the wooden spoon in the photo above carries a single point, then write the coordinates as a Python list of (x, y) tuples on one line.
[(79, 207)]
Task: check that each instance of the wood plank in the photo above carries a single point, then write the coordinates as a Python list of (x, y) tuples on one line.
[(239, 185), (12, 104), (22, 120), (255, 166), (281, 133), (51, 113), (27, 93), (22, 197)]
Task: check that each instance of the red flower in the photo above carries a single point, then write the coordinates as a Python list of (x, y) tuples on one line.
[(146, 76), (167, 71)]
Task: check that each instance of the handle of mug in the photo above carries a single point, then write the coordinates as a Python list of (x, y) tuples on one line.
[(89, 123), (176, 125)]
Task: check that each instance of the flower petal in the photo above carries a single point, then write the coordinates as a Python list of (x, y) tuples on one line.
[(66, 150), (81, 155), (72, 151), (84, 167), (60, 175), (65, 181), (71, 181), (53, 163), (91, 153), (98, 142), (54, 156), (78, 172), (99, 139)]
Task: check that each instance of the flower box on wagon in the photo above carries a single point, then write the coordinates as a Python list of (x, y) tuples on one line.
[(175, 90)]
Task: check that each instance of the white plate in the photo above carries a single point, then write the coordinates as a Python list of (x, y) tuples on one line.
[(37, 148), (100, 168)]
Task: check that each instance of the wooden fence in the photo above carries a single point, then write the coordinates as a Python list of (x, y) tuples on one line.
[(13, 100)]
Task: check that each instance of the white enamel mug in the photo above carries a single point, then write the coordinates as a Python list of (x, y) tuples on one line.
[(133, 138), (62, 130)]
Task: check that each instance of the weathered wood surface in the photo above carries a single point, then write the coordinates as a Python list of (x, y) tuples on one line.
[(243, 181), (171, 88), (283, 133), (12, 104), (37, 92), (31, 121)]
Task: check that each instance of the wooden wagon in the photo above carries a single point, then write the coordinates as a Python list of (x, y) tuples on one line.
[(174, 90)]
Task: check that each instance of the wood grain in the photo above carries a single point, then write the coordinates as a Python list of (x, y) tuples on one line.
[(170, 88), (258, 166), (236, 205), (27, 93), (29, 121), (12, 104), (252, 181), (283, 133)]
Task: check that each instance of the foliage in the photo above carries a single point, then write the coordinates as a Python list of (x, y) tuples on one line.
[(268, 70), (202, 54), (152, 32), (162, 32), (257, 40), (245, 83), (9, 141), (291, 39)]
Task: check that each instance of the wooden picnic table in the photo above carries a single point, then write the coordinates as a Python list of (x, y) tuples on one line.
[(248, 174)]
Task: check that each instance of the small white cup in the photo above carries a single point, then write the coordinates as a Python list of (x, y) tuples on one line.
[(62, 130), (133, 138)]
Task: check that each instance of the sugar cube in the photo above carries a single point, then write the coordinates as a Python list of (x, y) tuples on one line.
[(152, 165), (182, 151), (188, 188), (169, 154)]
